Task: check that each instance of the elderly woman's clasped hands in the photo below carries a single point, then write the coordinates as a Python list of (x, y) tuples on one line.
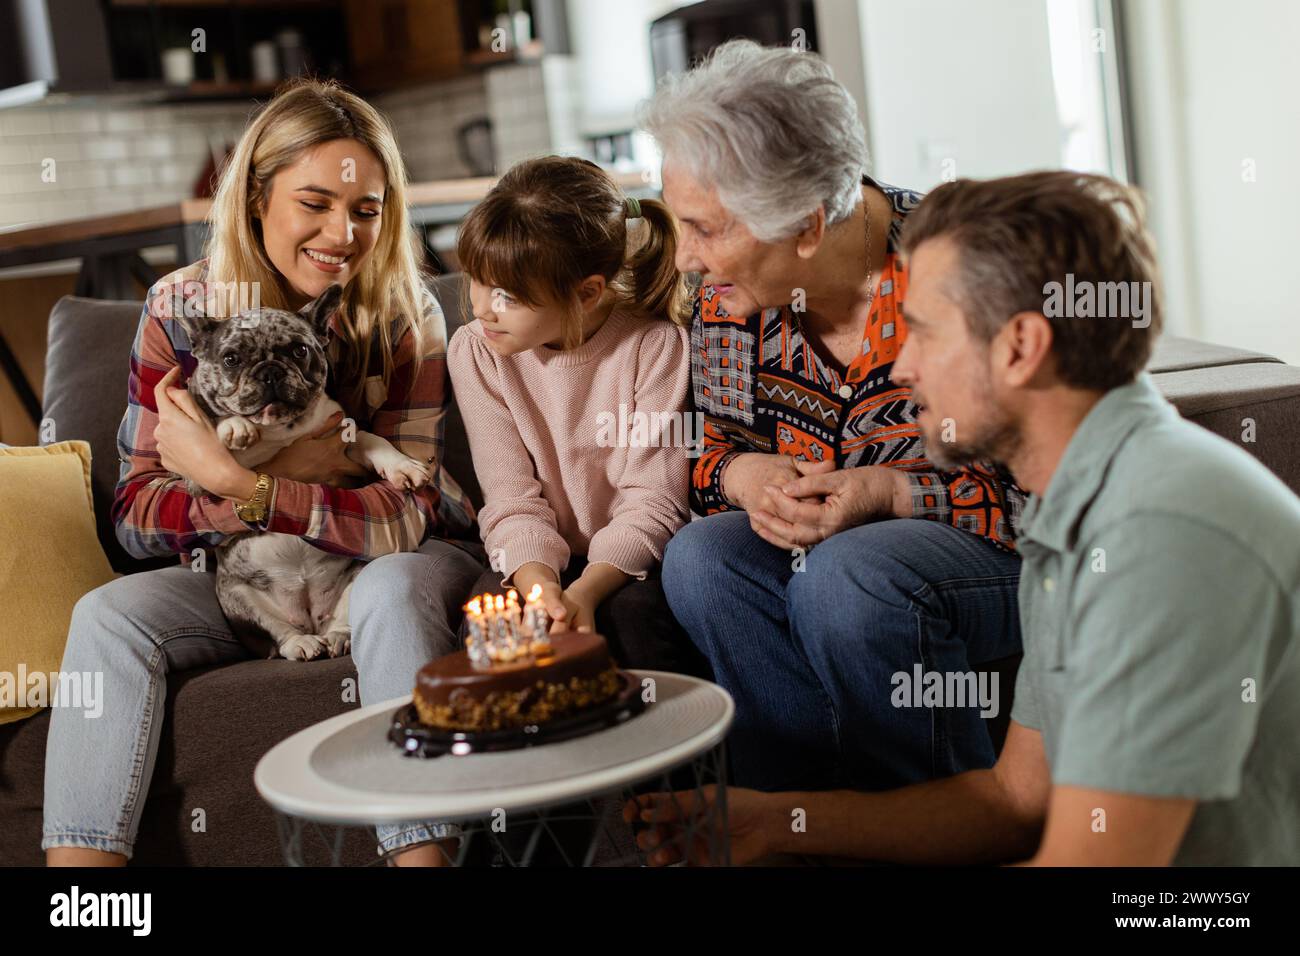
[(793, 504)]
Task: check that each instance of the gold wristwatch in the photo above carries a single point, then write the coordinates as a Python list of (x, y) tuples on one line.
[(254, 510)]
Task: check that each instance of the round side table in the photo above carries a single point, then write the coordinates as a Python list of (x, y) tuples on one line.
[(548, 803)]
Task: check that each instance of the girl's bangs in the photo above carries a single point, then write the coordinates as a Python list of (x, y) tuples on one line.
[(494, 254)]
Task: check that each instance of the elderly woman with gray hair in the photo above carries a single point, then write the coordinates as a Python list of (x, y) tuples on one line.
[(837, 567)]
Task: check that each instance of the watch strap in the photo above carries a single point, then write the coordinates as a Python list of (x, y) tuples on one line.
[(257, 507)]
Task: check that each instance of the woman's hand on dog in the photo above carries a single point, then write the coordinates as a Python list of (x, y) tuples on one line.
[(188, 445), (319, 458)]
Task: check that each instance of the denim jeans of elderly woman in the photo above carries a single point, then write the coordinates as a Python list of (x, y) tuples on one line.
[(141, 627), (811, 655)]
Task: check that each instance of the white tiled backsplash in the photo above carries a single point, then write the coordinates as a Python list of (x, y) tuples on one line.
[(106, 158), (425, 119), (532, 109), (112, 157)]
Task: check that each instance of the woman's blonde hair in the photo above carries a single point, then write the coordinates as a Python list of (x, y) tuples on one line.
[(552, 221), (303, 115)]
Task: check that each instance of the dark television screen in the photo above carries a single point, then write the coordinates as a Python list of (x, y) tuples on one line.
[(61, 44), (26, 48)]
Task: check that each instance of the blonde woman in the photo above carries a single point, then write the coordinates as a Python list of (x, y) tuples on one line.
[(313, 196)]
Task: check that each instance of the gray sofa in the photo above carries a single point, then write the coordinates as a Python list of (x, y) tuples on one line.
[(220, 721)]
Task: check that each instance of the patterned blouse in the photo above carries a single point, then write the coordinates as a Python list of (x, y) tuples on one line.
[(762, 388), (155, 515)]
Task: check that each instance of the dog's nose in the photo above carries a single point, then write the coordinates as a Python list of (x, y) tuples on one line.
[(270, 374)]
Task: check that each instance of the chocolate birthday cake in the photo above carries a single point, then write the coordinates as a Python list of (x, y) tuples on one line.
[(513, 673)]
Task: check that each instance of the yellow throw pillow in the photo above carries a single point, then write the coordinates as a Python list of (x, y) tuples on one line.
[(49, 558)]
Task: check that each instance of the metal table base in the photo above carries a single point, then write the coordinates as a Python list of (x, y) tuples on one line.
[(585, 833)]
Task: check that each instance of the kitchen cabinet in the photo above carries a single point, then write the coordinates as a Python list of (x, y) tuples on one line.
[(395, 42)]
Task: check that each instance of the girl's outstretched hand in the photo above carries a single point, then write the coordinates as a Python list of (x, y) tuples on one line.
[(570, 610)]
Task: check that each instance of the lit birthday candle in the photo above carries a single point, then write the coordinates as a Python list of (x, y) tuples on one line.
[(474, 619), (530, 609), (517, 642), (536, 622), (476, 643), (489, 627), (501, 630)]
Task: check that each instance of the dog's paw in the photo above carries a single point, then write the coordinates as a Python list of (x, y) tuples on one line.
[(238, 433), (338, 642), (302, 647), (404, 473)]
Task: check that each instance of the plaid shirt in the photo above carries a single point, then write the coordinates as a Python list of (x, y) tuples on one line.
[(762, 388), (155, 515)]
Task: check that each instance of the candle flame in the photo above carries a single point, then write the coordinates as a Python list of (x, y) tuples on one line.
[(501, 632)]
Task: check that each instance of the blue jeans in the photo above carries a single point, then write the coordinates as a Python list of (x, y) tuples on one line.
[(812, 656), (139, 628)]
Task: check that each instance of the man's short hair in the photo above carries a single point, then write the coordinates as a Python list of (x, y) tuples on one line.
[(1073, 246)]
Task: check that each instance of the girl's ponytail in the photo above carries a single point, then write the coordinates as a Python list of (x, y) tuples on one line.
[(657, 288)]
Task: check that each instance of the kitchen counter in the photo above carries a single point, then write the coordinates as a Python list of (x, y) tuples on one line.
[(431, 203)]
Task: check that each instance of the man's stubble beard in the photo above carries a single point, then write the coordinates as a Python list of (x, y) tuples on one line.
[(997, 439)]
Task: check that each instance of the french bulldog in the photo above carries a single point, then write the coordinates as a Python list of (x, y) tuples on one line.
[(261, 379)]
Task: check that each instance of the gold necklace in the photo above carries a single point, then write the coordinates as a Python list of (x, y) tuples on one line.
[(871, 291)]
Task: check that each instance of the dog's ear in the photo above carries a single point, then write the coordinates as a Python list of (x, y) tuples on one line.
[(319, 310), (197, 327)]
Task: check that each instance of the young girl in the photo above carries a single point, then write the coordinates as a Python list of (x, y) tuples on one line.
[(579, 326), (312, 196)]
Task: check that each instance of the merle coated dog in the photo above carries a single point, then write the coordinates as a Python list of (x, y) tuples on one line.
[(261, 379)]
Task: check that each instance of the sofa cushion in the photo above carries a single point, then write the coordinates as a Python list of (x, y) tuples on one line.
[(86, 362), (49, 558), (1255, 405), (1174, 354)]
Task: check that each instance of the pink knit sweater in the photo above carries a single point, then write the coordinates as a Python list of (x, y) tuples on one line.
[(558, 477)]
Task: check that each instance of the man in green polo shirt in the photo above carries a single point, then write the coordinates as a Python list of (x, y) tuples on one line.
[(1157, 708)]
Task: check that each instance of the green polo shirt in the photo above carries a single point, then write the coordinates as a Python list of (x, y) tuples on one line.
[(1160, 608)]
